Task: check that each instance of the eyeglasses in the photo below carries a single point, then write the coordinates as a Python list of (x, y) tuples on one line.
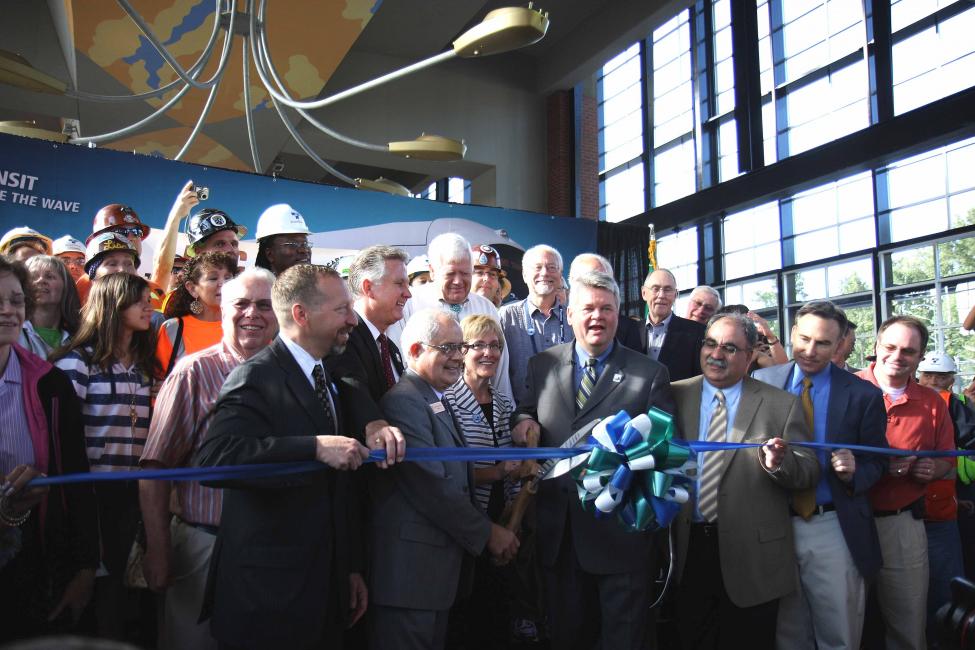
[(73, 261), (480, 347), (262, 305), (449, 348), (297, 245), (728, 348), (128, 231), (667, 291)]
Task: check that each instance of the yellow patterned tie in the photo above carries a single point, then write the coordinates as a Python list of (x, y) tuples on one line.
[(804, 501), (707, 497)]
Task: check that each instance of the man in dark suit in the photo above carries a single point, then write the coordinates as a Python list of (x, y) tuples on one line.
[(426, 525), (735, 552), (837, 547), (371, 363), (668, 338), (597, 574), (282, 573)]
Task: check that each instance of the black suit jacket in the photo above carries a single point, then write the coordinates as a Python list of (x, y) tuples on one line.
[(279, 573), (360, 370), (856, 415), (681, 351), (630, 381)]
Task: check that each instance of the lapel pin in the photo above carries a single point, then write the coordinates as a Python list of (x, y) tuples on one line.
[(618, 377), (437, 407)]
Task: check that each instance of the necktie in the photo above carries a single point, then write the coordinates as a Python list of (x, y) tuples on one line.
[(387, 360), (587, 384), (707, 497), (321, 390), (804, 501)]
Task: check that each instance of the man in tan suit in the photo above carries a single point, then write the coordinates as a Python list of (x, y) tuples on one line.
[(734, 536)]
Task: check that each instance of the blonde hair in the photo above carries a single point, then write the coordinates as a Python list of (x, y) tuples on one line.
[(478, 324)]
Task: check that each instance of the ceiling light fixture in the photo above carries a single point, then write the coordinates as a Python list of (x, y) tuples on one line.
[(502, 30)]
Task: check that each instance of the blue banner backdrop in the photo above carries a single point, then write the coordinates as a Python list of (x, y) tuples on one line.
[(57, 188)]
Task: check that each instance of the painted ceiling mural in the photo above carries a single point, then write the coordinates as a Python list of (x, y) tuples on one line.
[(306, 48)]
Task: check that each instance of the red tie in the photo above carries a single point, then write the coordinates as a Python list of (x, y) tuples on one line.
[(387, 360)]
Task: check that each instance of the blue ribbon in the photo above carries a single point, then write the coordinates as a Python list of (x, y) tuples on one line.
[(420, 454)]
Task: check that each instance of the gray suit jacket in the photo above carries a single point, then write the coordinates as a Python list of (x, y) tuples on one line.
[(756, 547), (425, 525), (630, 381)]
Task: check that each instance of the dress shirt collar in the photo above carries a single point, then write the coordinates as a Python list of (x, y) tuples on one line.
[(819, 379), (305, 361), (582, 356), (731, 394), (12, 374), (662, 324), (373, 330)]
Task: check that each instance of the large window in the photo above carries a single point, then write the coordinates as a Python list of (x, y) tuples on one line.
[(936, 282), (674, 155), (830, 220), (678, 254), (751, 239), (928, 193), (933, 50), (620, 113)]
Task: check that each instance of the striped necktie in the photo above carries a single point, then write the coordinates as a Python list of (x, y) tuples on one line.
[(707, 497), (587, 384), (804, 501), (323, 393)]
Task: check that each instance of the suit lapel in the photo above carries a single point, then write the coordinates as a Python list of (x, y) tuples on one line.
[(839, 400), (299, 386), (566, 378), (612, 376), (748, 405), (444, 417), (689, 409), (397, 359)]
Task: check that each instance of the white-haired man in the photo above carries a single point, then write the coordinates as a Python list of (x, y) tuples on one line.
[(179, 545), (449, 290), (539, 321), (703, 304), (371, 363), (426, 526)]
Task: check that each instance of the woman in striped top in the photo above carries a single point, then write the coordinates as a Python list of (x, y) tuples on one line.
[(111, 363), (483, 416)]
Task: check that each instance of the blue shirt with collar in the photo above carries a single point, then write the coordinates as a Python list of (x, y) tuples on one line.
[(582, 356), (820, 399), (732, 398)]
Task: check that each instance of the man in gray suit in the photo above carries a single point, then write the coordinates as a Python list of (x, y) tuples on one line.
[(597, 575), (426, 525), (734, 538)]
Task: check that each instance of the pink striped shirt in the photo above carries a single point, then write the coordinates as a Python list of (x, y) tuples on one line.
[(182, 414)]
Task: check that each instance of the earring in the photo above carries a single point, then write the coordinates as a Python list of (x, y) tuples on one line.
[(196, 307)]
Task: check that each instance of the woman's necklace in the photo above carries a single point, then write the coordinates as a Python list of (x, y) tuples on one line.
[(133, 390)]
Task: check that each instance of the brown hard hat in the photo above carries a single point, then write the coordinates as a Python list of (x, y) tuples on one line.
[(116, 215)]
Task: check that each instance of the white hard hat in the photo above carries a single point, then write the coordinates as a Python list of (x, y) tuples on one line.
[(937, 362), (419, 264), (280, 219), (25, 236), (68, 244), (342, 265)]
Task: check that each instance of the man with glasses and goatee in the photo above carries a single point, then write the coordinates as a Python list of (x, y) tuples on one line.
[(596, 574), (735, 553)]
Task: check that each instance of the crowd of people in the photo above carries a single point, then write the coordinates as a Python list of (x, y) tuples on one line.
[(208, 364)]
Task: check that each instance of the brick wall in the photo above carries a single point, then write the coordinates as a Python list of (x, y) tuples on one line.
[(565, 153)]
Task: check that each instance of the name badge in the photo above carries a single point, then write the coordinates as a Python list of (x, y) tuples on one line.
[(618, 377), (437, 407)]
